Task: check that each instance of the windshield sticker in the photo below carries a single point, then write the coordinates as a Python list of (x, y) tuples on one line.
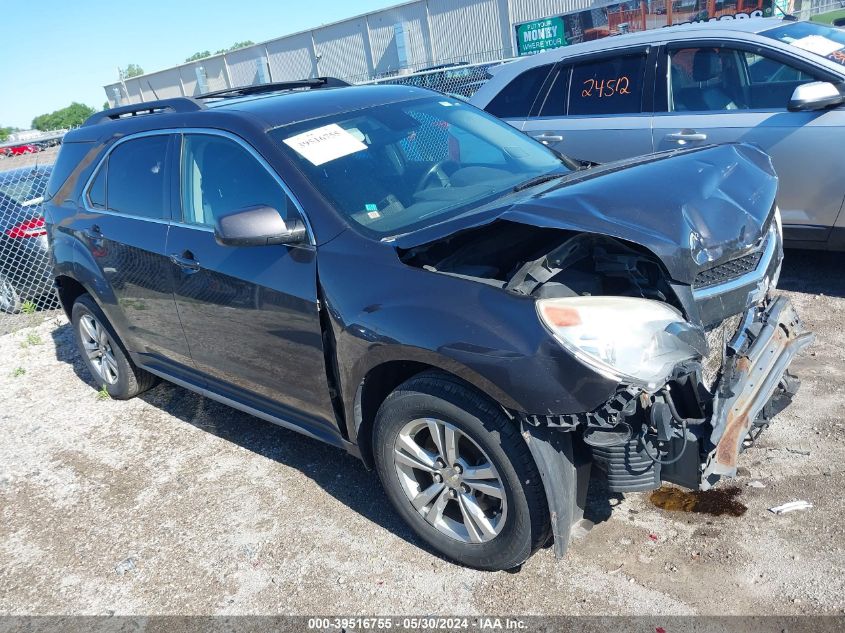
[(325, 144), (817, 44)]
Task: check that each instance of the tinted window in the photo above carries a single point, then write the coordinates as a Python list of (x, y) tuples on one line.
[(136, 177), (516, 99), (609, 86), (722, 79), (97, 192), (555, 101), (220, 177)]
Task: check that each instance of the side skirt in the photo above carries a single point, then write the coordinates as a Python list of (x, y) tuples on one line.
[(313, 431)]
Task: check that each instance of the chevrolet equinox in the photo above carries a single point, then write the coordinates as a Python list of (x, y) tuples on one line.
[(403, 276)]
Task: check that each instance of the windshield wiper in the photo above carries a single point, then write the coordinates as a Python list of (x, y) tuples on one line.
[(538, 180)]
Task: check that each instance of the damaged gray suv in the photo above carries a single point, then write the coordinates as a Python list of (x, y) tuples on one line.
[(407, 278)]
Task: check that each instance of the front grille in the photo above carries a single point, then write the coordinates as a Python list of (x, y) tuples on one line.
[(718, 337), (728, 271)]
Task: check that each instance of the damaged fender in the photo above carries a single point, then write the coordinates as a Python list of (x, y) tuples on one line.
[(565, 470)]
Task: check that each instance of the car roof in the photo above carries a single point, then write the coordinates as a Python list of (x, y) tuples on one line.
[(265, 110)]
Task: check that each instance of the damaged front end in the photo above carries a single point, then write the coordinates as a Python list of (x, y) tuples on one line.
[(688, 433), (669, 298)]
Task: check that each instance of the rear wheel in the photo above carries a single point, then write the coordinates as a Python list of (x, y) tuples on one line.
[(456, 469), (103, 353)]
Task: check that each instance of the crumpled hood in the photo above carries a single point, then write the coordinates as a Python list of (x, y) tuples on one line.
[(693, 209)]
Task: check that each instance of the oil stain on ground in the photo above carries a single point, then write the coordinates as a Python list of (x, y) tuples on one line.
[(716, 501)]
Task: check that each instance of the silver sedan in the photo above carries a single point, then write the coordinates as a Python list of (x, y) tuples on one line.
[(779, 84)]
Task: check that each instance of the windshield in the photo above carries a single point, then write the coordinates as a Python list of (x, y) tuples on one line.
[(394, 168), (827, 41)]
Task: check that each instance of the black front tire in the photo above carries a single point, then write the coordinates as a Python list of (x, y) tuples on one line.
[(442, 397), (131, 380)]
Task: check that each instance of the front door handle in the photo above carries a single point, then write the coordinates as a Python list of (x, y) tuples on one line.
[(186, 261), (686, 136), (545, 138)]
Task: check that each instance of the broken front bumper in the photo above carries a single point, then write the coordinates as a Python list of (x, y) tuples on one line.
[(754, 373)]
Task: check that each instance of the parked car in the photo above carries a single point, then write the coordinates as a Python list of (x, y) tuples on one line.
[(406, 277), (25, 270), (775, 83), (20, 150)]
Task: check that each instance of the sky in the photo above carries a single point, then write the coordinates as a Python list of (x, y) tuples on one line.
[(54, 52)]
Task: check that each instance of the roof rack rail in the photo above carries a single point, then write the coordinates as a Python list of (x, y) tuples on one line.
[(317, 82), (177, 104)]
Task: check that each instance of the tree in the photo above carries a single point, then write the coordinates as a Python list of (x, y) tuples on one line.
[(235, 46), (71, 116), (199, 55), (106, 105), (132, 70), (203, 54), (5, 132)]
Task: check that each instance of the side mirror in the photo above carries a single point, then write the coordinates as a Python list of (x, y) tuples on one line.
[(816, 95), (258, 226)]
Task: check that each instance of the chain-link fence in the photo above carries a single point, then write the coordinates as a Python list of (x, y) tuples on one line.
[(27, 293), (458, 79)]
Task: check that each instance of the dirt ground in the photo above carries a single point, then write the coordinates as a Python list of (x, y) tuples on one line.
[(172, 504)]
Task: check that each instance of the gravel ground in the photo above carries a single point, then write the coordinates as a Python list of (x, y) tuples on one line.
[(173, 504)]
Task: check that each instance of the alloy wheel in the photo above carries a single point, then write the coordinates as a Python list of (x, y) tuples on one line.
[(98, 346), (450, 480)]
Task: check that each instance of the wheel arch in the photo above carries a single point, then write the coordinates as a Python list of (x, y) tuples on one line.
[(382, 379), (69, 290)]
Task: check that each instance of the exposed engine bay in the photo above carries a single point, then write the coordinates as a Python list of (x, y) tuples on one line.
[(545, 263), (690, 428)]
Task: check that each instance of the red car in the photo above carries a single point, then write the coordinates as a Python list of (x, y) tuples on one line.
[(26, 148), (18, 150)]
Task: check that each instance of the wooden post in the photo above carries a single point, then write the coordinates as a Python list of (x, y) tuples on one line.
[(711, 8), (669, 4)]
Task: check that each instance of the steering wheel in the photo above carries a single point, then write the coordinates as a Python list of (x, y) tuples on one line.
[(435, 170)]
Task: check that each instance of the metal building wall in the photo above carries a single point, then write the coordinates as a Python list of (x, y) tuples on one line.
[(245, 66), (466, 29), (292, 57), (363, 47), (384, 54), (343, 49)]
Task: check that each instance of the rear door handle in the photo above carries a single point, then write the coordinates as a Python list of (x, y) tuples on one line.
[(545, 138), (685, 136), (186, 261)]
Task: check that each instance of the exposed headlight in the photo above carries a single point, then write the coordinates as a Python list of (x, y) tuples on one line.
[(631, 340)]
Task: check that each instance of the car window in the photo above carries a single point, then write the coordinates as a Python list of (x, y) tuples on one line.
[(812, 37), (608, 86), (516, 99), (712, 79), (97, 191), (136, 183), (219, 177)]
